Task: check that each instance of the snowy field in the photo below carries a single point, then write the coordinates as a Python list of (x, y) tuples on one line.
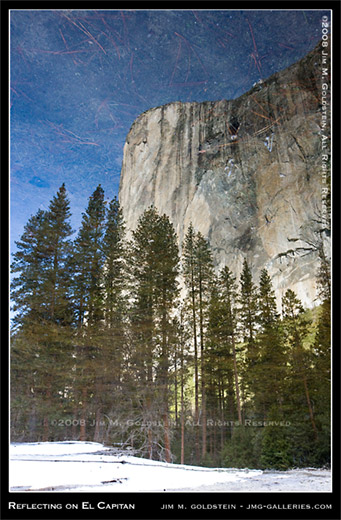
[(89, 466)]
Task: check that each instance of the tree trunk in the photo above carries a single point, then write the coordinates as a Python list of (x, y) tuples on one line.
[(222, 417), (46, 429), (176, 390), (167, 439), (236, 380), (74, 425), (196, 378), (82, 432), (97, 425), (182, 409), (150, 431), (309, 406), (203, 383), (150, 444)]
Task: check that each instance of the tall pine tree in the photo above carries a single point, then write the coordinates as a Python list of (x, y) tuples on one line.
[(111, 353), (41, 295), (271, 365), (198, 275), (154, 263), (88, 296), (296, 327), (248, 316)]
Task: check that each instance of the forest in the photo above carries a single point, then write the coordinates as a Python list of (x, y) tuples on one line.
[(132, 342)]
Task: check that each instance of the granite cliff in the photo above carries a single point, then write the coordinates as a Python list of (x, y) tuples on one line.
[(246, 172)]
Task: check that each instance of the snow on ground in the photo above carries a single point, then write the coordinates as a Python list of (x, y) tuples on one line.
[(89, 466)]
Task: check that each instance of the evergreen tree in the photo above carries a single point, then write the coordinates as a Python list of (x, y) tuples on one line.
[(224, 401), (204, 278), (44, 312), (114, 272), (248, 317), (154, 265), (276, 442), (189, 273), (321, 391), (239, 451), (111, 352), (89, 260), (198, 274), (29, 262), (88, 294), (26, 294), (182, 373), (295, 328), (270, 369), (248, 313), (59, 249), (230, 298)]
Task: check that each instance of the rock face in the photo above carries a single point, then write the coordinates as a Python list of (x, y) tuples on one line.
[(245, 172)]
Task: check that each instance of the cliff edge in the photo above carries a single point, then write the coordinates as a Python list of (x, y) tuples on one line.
[(246, 172)]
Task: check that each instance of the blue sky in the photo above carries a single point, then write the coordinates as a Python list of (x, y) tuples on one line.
[(79, 78)]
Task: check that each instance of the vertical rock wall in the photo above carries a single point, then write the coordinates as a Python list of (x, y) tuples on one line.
[(245, 172)]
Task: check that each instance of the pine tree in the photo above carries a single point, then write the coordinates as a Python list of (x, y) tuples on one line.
[(183, 374), (59, 247), (295, 329), (189, 273), (114, 272), (26, 294), (276, 443), (154, 264), (204, 276), (88, 262), (229, 298), (270, 369), (111, 351), (219, 373), (321, 391), (248, 311), (198, 275), (29, 261), (88, 258), (248, 317), (44, 311)]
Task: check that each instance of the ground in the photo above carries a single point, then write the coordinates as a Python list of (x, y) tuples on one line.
[(89, 466)]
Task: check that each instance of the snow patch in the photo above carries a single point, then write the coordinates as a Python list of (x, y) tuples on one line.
[(90, 466)]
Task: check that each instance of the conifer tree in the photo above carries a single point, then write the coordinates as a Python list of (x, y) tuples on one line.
[(270, 369), (111, 351), (189, 273), (114, 262), (295, 328), (219, 373), (29, 262), (59, 248), (44, 312), (204, 278), (88, 258), (27, 297), (276, 443), (198, 274), (248, 316), (88, 296), (321, 391), (182, 373), (230, 298), (248, 311), (154, 263)]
